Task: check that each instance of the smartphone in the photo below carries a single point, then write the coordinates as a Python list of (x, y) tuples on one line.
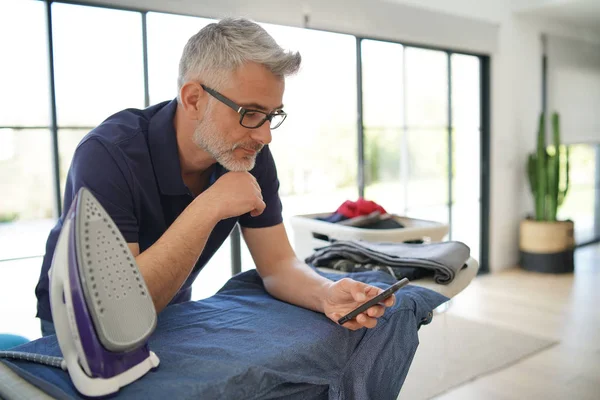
[(377, 299)]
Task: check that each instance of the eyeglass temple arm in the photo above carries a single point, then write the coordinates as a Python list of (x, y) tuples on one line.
[(224, 100)]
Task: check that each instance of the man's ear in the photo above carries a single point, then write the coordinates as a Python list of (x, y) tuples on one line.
[(194, 100)]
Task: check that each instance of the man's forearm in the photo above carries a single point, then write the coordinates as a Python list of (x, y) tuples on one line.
[(167, 263), (296, 283)]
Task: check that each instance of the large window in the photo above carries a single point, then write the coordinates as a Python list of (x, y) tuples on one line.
[(98, 71), (167, 35), (383, 120), (582, 204), (315, 149), (27, 193), (421, 113)]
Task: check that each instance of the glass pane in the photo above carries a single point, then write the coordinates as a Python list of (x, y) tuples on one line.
[(426, 88), (98, 63), (68, 139), (466, 151), (316, 147), (466, 225), (167, 35), (437, 213), (579, 207), (466, 165), (383, 166), (466, 97), (247, 260), (26, 215), (214, 274), (466, 187), (583, 198), (382, 84), (17, 300), (24, 97), (427, 168)]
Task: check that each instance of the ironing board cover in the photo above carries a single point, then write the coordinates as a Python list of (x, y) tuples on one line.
[(242, 343)]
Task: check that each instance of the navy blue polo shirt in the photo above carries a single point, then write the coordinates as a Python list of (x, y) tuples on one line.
[(130, 163)]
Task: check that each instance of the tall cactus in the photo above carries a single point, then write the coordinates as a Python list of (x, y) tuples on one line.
[(545, 172)]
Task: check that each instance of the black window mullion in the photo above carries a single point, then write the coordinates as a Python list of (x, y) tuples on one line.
[(53, 114), (144, 15), (484, 88), (236, 250), (450, 147), (404, 153), (359, 119), (596, 189)]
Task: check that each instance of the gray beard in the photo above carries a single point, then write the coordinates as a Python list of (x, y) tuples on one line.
[(209, 139)]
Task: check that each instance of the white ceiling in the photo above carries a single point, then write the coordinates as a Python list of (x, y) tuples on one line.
[(580, 13)]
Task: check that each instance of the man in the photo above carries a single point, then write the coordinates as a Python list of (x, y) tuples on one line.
[(176, 177)]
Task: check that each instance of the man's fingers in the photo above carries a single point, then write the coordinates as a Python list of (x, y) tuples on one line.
[(253, 180), (352, 325), (361, 321), (376, 311), (362, 292), (390, 301), (258, 193), (260, 207), (366, 321)]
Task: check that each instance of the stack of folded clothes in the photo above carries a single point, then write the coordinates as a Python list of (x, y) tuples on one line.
[(402, 260)]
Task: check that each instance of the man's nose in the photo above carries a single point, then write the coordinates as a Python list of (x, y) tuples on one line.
[(262, 134)]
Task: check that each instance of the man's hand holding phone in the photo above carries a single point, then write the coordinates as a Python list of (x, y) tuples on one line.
[(355, 304)]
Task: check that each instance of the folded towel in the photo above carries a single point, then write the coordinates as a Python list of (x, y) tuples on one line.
[(445, 259)]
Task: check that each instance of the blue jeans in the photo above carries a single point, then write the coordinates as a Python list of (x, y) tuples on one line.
[(47, 328)]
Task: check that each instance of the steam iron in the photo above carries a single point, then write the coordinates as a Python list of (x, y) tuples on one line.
[(102, 311)]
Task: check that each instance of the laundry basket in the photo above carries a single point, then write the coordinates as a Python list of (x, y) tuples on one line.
[(311, 233)]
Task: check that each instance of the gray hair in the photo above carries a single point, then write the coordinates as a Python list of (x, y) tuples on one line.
[(220, 48)]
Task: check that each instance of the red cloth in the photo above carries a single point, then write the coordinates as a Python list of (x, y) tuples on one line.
[(351, 209)]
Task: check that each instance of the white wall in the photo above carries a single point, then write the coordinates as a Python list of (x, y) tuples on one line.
[(574, 87), (486, 26), (385, 19)]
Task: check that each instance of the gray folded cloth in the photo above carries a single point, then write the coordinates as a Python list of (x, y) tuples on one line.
[(444, 258)]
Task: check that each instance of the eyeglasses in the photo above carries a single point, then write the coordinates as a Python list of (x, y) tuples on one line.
[(249, 118)]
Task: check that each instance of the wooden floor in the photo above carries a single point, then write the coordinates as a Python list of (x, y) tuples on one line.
[(564, 308)]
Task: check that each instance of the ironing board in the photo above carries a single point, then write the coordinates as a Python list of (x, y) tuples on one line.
[(243, 343)]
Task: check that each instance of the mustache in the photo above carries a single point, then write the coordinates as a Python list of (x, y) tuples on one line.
[(254, 146)]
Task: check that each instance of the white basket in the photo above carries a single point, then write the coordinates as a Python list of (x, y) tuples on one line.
[(311, 233)]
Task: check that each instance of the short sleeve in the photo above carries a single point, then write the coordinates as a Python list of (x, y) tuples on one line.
[(266, 176), (99, 167)]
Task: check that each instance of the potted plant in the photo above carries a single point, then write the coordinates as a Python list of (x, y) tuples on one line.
[(547, 245)]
